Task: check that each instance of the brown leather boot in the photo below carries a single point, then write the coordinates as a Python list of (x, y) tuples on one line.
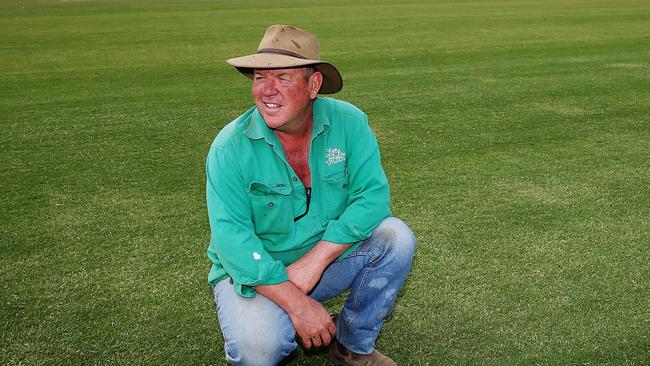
[(341, 356)]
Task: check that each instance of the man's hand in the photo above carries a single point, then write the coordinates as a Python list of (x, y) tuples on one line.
[(307, 271), (310, 320), (313, 325)]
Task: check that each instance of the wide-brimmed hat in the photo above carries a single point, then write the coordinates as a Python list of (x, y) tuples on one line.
[(284, 46)]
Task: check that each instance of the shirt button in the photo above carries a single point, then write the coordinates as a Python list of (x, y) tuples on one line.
[(270, 204), (295, 179)]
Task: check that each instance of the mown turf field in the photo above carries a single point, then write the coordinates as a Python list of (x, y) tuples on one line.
[(515, 134)]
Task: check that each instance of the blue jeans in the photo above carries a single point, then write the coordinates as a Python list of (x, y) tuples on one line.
[(258, 332)]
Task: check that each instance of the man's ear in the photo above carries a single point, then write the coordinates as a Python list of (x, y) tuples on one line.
[(315, 82)]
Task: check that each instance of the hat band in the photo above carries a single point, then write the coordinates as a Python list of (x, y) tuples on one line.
[(280, 52)]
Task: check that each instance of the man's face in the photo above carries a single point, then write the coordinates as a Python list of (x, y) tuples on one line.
[(283, 96)]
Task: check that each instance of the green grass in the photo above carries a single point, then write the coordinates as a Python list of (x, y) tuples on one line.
[(514, 134)]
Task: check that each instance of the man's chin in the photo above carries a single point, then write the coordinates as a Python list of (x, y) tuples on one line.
[(274, 125)]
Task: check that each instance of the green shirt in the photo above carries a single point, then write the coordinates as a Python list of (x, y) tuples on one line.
[(253, 194)]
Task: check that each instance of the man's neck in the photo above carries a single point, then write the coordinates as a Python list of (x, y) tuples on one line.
[(299, 129), (297, 136), (296, 149)]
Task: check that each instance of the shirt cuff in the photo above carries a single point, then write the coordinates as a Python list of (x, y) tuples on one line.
[(270, 273), (343, 233)]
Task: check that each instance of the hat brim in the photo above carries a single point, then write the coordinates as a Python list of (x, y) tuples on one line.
[(332, 81)]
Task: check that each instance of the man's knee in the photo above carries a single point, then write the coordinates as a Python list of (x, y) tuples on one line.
[(257, 349), (397, 238), (255, 330)]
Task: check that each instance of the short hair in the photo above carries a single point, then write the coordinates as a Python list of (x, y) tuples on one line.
[(308, 71)]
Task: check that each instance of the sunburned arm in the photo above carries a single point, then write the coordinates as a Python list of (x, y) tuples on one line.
[(310, 320), (307, 271)]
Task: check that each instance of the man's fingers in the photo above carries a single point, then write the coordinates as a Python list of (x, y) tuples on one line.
[(320, 340), (316, 341), (315, 328), (331, 328), (306, 342), (327, 338)]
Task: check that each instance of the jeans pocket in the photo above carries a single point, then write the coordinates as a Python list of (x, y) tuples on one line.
[(272, 208)]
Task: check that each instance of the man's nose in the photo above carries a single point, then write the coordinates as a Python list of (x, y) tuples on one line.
[(269, 87)]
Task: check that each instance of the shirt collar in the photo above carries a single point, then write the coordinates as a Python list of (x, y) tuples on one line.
[(321, 121), (257, 128)]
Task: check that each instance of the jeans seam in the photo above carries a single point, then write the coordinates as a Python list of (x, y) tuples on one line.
[(362, 284)]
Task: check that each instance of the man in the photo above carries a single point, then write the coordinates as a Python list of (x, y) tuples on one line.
[(299, 212)]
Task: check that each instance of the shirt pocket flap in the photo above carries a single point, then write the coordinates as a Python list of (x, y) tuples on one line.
[(272, 209), (337, 178), (263, 189)]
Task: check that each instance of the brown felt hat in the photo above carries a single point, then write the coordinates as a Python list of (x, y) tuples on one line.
[(284, 46)]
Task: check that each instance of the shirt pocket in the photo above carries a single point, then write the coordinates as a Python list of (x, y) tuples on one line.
[(272, 211), (335, 193)]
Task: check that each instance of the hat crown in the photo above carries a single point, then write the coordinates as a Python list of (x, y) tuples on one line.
[(290, 40), (284, 46)]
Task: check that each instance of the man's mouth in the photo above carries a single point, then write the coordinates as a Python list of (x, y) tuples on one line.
[(272, 105)]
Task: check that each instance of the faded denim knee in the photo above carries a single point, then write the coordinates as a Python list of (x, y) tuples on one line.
[(396, 239), (257, 349), (255, 330)]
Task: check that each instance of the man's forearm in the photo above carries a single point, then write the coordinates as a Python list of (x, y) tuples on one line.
[(324, 253), (307, 271), (286, 295)]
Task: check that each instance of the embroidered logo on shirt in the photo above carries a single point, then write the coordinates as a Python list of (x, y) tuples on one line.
[(334, 156)]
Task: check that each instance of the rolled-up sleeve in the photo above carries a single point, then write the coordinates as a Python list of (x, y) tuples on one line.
[(233, 243), (368, 190)]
